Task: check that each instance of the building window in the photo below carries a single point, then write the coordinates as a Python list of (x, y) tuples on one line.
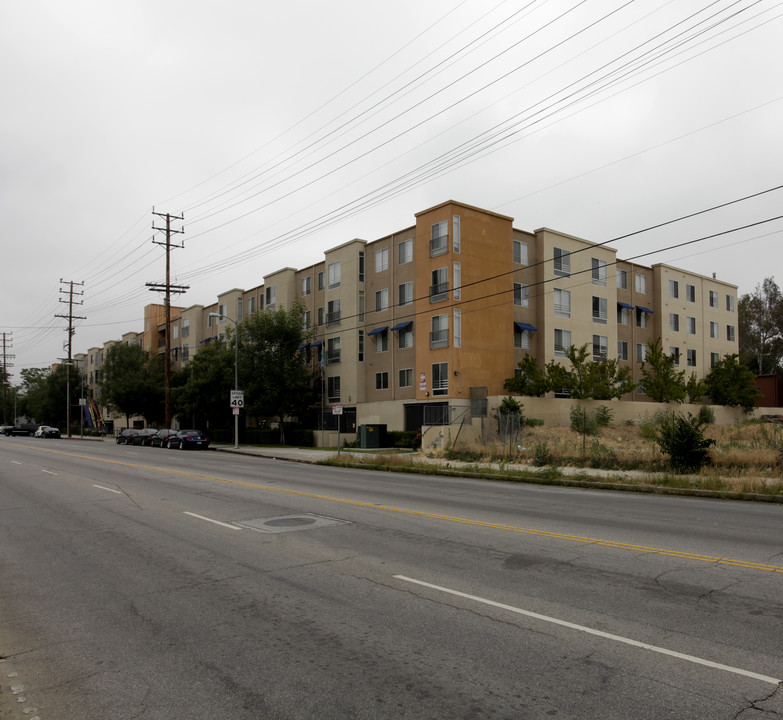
[(622, 280), (406, 293), (405, 337), (321, 280), (457, 239), (439, 244), (521, 338), (730, 333), (600, 310), (185, 327), (690, 325), (405, 252), (674, 289), (562, 342), (674, 353), (382, 380), (361, 265), (361, 306), (562, 303), (714, 359), (641, 283), (439, 337), (600, 347), (333, 275), (306, 320), (333, 313), (440, 378), (261, 301), (729, 303), (240, 309), (521, 295), (333, 351), (521, 253), (641, 352), (270, 296), (382, 300), (622, 349), (691, 358), (713, 299), (562, 262), (622, 315), (382, 341), (306, 285), (714, 330), (381, 260), (320, 316), (457, 328), (674, 322), (439, 290), (641, 318), (406, 378), (222, 313), (457, 281), (333, 389), (690, 293), (599, 272), (361, 345), (185, 353)]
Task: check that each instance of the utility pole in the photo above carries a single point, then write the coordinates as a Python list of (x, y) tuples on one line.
[(6, 376), (168, 289), (70, 317)]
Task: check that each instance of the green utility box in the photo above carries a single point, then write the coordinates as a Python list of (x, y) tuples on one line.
[(372, 436)]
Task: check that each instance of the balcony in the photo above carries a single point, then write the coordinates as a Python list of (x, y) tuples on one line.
[(439, 245), (332, 319)]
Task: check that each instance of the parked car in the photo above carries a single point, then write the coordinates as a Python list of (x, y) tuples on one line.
[(23, 429), (143, 437), (47, 431), (126, 436), (161, 438), (185, 439)]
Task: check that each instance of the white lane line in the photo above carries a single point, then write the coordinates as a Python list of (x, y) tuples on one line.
[(599, 633), (16, 462), (49, 472), (109, 489), (217, 522)]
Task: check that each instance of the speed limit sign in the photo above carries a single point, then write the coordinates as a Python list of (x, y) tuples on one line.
[(237, 398)]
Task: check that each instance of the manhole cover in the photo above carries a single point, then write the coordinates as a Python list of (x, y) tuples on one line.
[(287, 523)]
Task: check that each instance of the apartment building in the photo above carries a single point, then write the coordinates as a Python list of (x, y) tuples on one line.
[(443, 311)]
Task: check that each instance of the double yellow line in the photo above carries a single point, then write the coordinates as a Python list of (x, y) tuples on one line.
[(447, 518)]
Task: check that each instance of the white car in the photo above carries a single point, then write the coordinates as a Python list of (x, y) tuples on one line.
[(46, 431)]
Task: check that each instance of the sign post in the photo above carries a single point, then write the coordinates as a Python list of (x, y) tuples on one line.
[(338, 410), (236, 401)]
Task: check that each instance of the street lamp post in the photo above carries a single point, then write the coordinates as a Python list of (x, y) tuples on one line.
[(236, 370)]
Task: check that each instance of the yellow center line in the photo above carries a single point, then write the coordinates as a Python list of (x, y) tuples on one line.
[(437, 516)]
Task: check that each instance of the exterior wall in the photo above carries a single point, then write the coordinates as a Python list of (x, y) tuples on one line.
[(482, 354), (283, 284), (191, 331)]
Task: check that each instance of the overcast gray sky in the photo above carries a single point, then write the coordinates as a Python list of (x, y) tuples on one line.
[(282, 129)]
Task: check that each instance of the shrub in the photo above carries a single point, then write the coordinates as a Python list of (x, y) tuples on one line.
[(533, 422), (706, 415), (603, 415), (542, 455), (590, 423), (682, 439), (602, 456)]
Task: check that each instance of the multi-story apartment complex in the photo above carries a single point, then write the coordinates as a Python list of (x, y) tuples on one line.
[(445, 309)]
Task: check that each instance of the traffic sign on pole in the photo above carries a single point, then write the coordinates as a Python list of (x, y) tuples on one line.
[(237, 399)]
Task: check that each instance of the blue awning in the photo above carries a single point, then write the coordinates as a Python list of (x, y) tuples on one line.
[(402, 326), (526, 326), (644, 309), (206, 340), (303, 346), (318, 343), (378, 330), (625, 305)]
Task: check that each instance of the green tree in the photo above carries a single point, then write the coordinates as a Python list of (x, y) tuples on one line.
[(760, 320), (273, 372), (597, 379), (660, 377), (732, 383), (695, 389), (530, 380), (201, 390), (43, 396), (682, 439), (133, 382)]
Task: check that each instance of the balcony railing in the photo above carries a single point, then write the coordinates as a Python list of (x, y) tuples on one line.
[(439, 291), (439, 339), (332, 318), (439, 245)]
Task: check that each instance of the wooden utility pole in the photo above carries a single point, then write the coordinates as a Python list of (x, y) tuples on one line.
[(6, 375), (167, 288), (69, 343)]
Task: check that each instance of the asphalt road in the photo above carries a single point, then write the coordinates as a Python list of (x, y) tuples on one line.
[(151, 584)]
